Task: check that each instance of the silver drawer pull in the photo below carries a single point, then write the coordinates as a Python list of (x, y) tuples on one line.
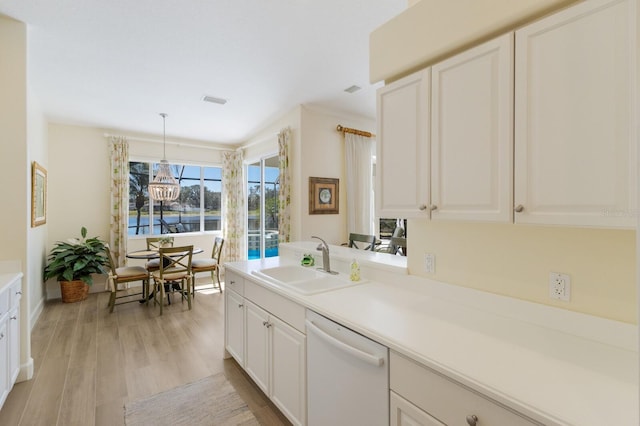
[(232, 282), (14, 317), (240, 305), (433, 207), (1, 336), (472, 420), (519, 208), (422, 207), (18, 292)]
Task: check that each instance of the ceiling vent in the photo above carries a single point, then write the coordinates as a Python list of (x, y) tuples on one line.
[(352, 89), (214, 100)]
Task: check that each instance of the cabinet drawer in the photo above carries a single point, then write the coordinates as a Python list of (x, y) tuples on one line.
[(446, 400), (288, 311), (234, 282)]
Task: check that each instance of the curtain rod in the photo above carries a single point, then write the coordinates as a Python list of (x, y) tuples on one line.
[(355, 131)]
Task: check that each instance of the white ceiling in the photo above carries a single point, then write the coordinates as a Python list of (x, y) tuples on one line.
[(118, 63)]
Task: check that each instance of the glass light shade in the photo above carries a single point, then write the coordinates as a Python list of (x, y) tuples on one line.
[(164, 186)]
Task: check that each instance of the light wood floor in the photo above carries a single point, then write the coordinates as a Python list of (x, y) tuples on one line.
[(89, 363)]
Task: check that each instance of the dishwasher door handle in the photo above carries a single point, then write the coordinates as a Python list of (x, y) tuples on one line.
[(364, 356)]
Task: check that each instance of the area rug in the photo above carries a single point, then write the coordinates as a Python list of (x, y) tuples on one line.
[(206, 402)]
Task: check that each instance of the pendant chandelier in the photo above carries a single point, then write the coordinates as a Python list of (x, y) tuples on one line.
[(164, 186)]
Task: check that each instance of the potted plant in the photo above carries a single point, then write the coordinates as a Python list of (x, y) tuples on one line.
[(165, 241), (73, 261)]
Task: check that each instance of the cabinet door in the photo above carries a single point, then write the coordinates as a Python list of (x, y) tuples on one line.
[(288, 370), (257, 345), (404, 413), (402, 156), (13, 330), (234, 325), (472, 134), (4, 364), (575, 142)]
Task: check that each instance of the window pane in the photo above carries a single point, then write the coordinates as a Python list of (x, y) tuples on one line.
[(138, 199), (271, 190), (188, 208), (253, 210), (212, 198)]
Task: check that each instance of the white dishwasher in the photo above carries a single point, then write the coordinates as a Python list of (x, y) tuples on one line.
[(347, 376)]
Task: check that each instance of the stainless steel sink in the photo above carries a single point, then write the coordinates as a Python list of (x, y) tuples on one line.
[(304, 280)]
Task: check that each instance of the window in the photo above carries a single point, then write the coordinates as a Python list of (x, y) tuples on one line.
[(196, 210)]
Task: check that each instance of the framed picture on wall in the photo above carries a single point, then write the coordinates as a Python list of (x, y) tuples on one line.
[(324, 194), (38, 195)]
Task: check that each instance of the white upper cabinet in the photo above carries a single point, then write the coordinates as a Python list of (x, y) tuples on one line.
[(472, 134), (575, 117), (402, 167)]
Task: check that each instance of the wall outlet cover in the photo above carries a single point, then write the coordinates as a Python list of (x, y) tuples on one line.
[(430, 263), (560, 286)]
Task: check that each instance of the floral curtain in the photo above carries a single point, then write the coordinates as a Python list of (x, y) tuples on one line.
[(233, 199), (360, 209), (119, 198), (284, 196)]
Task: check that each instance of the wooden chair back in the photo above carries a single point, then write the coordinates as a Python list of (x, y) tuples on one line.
[(362, 238)]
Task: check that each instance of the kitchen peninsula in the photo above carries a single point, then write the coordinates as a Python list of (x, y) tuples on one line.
[(542, 364)]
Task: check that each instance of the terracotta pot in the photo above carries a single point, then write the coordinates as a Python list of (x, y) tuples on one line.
[(73, 291)]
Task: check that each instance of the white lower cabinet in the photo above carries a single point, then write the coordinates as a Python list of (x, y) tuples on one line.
[(4, 370), (429, 398), (271, 351), (234, 325), (404, 413), (9, 337)]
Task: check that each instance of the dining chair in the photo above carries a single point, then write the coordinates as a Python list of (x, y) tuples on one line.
[(125, 274), (210, 265), (174, 267), (362, 238), (398, 245), (153, 243)]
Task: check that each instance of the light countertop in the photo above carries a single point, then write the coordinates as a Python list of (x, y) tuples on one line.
[(584, 372)]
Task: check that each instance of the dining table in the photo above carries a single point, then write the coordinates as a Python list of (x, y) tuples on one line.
[(155, 254)]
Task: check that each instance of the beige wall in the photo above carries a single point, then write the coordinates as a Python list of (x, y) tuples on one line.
[(79, 182), (323, 156), (317, 150), (515, 260)]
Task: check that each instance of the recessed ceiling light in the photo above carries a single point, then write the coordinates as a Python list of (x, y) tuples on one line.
[(352, 89), (214, 100)]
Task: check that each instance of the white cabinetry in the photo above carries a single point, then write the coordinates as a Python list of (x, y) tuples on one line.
[(429, 398), (402, 165), (13, 331), (264, 333), (472, 134), (575, 141), (404, 413), (9, 336), (234, 316)]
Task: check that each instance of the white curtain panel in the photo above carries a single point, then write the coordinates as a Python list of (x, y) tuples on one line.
[(119, 223), (360, 213), (233, 206), (284, 196)]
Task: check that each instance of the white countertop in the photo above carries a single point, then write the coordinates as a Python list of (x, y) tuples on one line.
[(583, 373)]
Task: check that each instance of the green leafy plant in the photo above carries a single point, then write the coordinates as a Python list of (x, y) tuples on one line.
[(76, 259), (165, 240)]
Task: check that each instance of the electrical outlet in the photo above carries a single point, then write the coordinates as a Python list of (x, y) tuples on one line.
[(430, 263), (559, 286)]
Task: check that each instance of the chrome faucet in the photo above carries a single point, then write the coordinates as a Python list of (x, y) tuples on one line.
[(326, 267)]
